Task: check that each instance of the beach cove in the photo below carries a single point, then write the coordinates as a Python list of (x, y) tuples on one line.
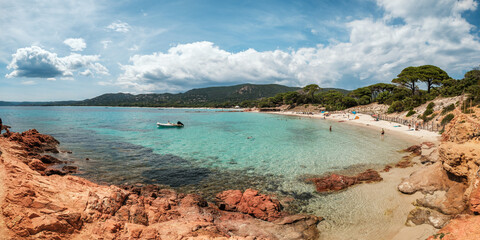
[(348, 218)]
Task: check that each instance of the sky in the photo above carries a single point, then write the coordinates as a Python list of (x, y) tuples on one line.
[(73, 50)]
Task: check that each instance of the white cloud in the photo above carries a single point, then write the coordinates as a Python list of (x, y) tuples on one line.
[(105, 43), (35, 62), (75, 44), (134, 48), (119, 26), (414, 10), (376, 51), (28, 82), (86, 73)]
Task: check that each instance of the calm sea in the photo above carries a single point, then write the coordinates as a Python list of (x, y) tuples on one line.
[(213, 152)]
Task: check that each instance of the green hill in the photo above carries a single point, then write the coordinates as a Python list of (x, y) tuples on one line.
[(201, 97)]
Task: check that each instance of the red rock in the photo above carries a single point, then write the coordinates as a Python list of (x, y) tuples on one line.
[(416, 149), (474, 201), (69, 169), (369, 175), (49, 223), (336, 182), (428, 144), (37, 165), (404, 163), (228, 200), (138, 215), (33, 141), (47, 159), (463, 227), (54, 171), (258, 205)]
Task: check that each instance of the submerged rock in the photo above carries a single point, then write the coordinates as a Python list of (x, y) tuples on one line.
[(416, 149), (336, 182)]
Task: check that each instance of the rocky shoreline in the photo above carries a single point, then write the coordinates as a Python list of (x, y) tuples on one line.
[(449, 182), (41, 201)]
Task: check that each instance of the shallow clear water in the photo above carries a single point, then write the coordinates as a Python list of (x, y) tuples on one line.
[(214, 151)]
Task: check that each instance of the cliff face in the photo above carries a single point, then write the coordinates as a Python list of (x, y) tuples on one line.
[(37, 205)]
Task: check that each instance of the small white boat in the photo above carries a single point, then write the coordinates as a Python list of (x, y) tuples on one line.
[(179, 124)]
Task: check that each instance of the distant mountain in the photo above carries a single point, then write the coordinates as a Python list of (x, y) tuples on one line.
[(58, 103), (201, 97)]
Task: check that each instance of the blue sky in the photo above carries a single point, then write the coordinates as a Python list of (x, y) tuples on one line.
[(62, 50)]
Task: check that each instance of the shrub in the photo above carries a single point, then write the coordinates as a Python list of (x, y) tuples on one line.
[(430, 105), (447, 119), (428, 112), (410, 113), (448, 108), (396, 106)]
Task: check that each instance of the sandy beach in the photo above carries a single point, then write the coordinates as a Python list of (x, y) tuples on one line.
[(368, 121)]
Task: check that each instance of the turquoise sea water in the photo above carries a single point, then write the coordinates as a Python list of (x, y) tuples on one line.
[(213, 152)]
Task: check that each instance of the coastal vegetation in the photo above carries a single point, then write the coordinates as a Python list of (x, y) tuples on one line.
[(404, 94)]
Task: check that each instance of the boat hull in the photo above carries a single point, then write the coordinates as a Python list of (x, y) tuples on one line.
[(166, 125)]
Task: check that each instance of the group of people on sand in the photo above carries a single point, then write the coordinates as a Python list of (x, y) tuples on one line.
[(410, 127)]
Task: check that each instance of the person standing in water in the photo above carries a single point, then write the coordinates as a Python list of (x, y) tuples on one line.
[(330, 128), (383, 132)]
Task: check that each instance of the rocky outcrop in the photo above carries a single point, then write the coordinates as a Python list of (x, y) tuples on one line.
[(336, 182), (32, 146), (250, 202), (451, 183), (460, 159), (37, 206), (34, 142)]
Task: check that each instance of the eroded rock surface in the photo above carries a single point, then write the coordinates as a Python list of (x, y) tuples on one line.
[(427, 180)]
